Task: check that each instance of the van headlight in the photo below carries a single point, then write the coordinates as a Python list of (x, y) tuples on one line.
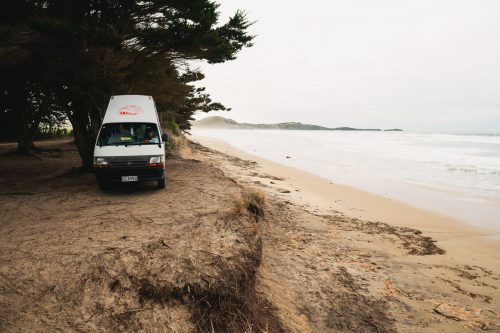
[(156, 161), (100, 162)]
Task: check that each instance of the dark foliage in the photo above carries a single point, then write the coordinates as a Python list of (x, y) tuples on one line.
[(62, 60)]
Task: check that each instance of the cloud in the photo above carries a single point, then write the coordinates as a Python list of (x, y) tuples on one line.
[(420, 64)]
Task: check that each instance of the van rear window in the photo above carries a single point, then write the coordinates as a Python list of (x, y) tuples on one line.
[(113, 134)]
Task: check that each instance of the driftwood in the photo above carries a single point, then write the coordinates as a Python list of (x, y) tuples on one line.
[(36, 299), (441, 313)]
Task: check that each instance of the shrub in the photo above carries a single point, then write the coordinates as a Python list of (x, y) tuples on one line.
[(172, 127)]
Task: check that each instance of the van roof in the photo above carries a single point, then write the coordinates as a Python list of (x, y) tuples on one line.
[(131, 109)]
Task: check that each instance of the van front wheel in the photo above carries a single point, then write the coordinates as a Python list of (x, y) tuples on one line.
[(104, 186), (161, 183)]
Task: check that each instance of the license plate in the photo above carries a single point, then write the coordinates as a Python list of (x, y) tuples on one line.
[(129, 179)]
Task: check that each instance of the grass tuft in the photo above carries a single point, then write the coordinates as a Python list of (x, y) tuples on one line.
[(251, 201)]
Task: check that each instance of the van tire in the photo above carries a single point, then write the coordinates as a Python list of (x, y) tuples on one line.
[(161, 183), (104, 186)]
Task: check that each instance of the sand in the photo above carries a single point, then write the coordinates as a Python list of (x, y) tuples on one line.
[(465, 278), (139, 259), (323, 196), (134, 259)]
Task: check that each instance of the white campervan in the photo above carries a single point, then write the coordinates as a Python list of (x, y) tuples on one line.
[(129, 147)]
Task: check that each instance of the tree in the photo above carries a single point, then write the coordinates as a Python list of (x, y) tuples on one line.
[(87, 50)]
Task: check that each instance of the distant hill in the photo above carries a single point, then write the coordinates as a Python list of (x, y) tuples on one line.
[(225, 123), (216, 122)]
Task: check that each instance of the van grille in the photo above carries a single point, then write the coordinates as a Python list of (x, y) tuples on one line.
[(129, 161)]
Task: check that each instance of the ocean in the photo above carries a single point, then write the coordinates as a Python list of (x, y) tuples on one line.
[(457, 174)]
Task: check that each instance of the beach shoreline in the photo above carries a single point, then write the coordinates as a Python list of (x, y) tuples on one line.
[(426, 272), (454, 175), (323, 196)]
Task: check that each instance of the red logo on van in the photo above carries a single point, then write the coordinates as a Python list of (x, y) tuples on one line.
[(130, 110)]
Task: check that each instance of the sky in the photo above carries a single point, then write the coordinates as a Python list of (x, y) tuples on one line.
[(419, 64)]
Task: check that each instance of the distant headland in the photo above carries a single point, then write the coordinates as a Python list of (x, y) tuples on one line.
[(226, 123)]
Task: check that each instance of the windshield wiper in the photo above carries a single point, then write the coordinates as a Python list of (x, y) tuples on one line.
[(130, 144)]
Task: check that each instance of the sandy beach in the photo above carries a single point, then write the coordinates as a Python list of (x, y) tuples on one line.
[(430, 275), (320, 257), (323, 196)]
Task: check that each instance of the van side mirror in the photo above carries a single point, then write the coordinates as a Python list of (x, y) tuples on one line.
[(164, 137)]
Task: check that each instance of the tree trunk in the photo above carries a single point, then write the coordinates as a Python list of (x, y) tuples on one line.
[(84, 139), (86, 121), (27, 132), (25, 143)]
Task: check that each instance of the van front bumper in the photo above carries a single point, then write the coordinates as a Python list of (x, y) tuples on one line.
[(112, 174)]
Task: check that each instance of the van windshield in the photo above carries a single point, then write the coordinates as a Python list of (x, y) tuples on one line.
[(113, 134)]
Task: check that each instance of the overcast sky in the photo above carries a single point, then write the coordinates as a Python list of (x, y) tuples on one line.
[(419, 64)]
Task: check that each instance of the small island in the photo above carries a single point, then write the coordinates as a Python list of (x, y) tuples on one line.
[(226, 123)]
